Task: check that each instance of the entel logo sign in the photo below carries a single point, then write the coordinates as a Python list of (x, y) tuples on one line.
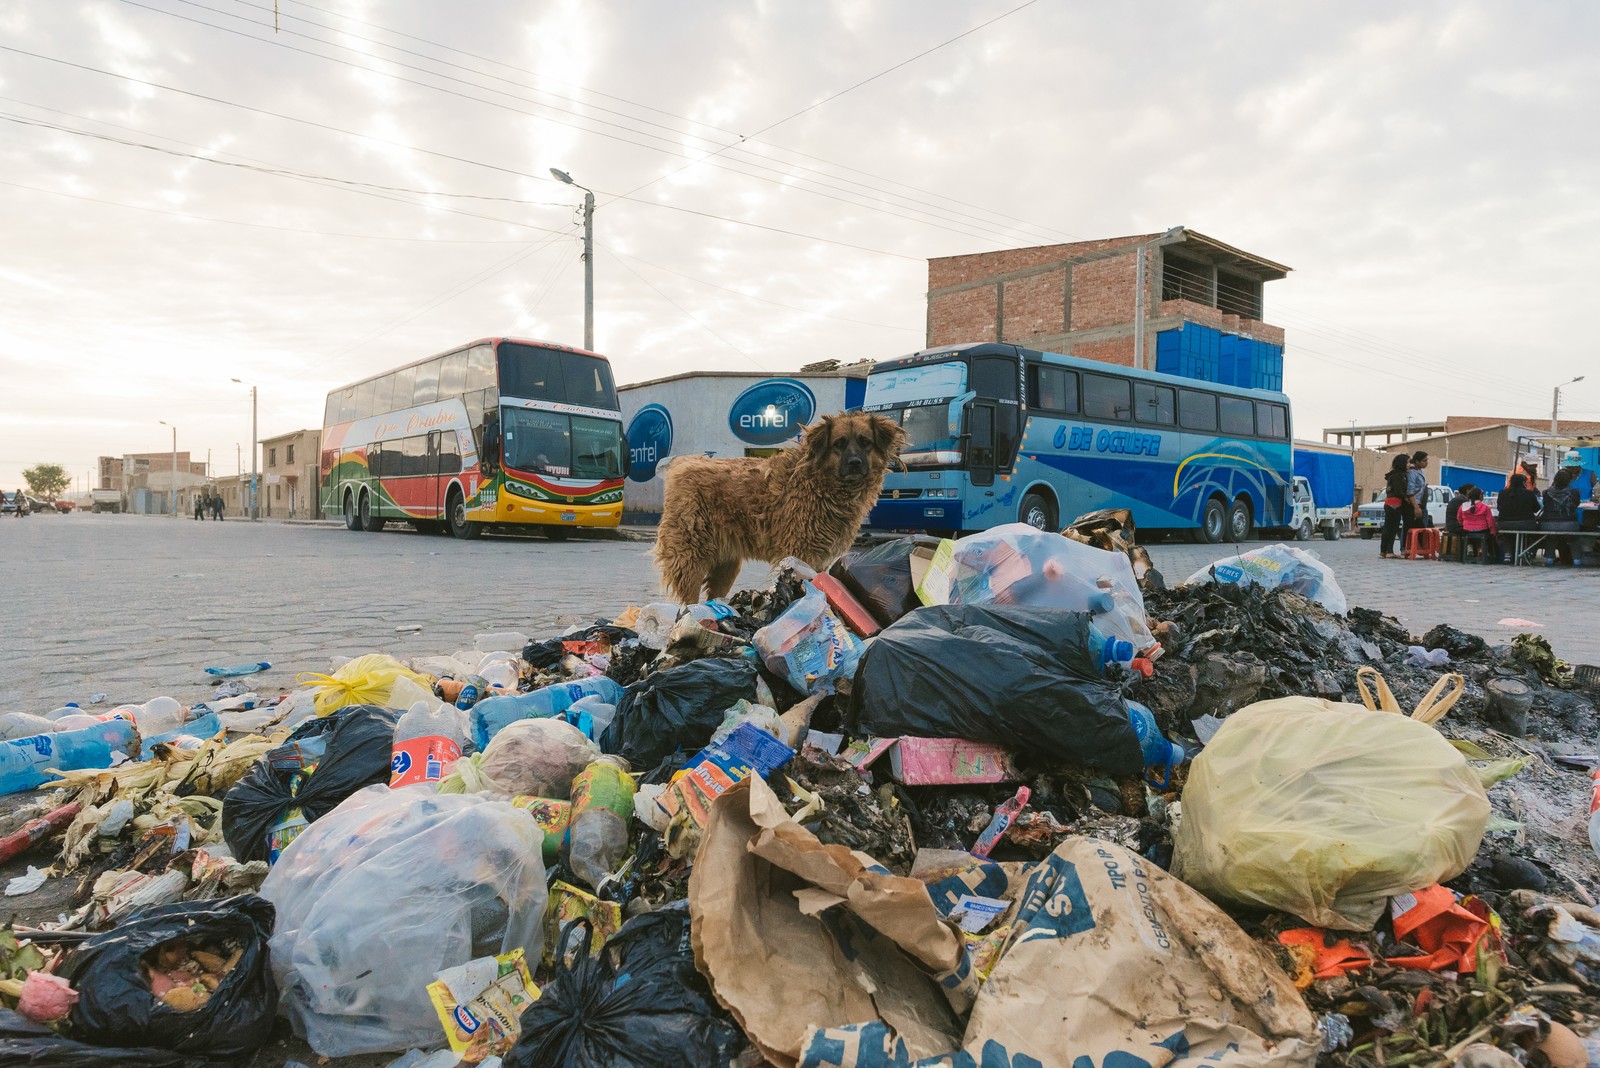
[(649, 441), (772, 411)]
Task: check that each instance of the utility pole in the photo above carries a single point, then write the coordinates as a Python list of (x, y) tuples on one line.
[(255, 439), (588, 256), (1140, 301), (172, 491), (1555, 419)]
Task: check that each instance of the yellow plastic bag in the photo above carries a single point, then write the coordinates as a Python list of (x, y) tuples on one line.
[(1325, 810), (366, 680)]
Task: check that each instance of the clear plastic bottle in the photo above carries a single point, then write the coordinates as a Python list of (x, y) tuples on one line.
[(23, 762), (602, 805), (1594, 813), (427, 740), (1108, 650), (473, 688), (1158, 752), (159, 715), (492, 714)]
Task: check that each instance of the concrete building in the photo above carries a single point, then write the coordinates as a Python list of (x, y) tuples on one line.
[(1468, 448), (1084, 299), (723, 413), (147, 480), (290, 475)]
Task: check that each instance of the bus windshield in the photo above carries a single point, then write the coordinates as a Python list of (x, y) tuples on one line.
[(560, 445), (918, 398), (532, 373)]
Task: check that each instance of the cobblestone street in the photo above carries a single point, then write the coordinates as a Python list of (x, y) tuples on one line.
[(134, 606)]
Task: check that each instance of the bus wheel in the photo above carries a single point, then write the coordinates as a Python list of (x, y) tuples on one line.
[(1239, 525), (352, 521), (369, 522), (460, 525), (1213, 522), (1037, 513)]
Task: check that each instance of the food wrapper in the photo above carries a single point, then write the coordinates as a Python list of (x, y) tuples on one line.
[(480, 1003), (568, 903)]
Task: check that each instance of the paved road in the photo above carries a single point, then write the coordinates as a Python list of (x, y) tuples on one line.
[(133, 606)]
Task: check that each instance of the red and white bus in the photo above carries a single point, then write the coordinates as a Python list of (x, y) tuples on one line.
[(494, 435)]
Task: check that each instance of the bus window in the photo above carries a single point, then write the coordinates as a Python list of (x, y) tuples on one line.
[(330, 413), (980, 446), (1272, 419), (1196, 410), (427, 387), (587, 381), (1055, 389), (529, 373), (449, 452), (1154, 404), (375, 460), (480, 368), (1105, 397), (364, 394), (1238, 417), (416, 455), (347, 405), (383, 396), (404, 387), (453, 375)]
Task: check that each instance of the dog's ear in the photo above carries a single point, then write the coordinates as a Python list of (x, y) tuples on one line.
[(819, 438), (887, 435)]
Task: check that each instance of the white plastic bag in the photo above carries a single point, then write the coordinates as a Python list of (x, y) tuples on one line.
[(386, 891), (1279, 565), (1018, 564), (537, 758)]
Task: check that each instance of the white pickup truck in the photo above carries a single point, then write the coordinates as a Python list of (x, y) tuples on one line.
[(106, 500), (1369, 517)]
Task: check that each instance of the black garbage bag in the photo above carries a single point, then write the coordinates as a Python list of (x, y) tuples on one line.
[(880, 576), (548, 652), (1020, 677), (639, 1004), (359, 742), (676, 710), (115, 1004), (23, 1042)]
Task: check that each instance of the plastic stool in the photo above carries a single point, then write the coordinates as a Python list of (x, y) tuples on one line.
[(1422, 543), (1478, 541), (1454, 546)]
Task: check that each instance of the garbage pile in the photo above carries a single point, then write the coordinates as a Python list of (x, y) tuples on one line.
[(1001, 800)]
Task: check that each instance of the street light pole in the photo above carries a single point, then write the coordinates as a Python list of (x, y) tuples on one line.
[(1555, 416), (588, 256), (172, 491), (255, 439)]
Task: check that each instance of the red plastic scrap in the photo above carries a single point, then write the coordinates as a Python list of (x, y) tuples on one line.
[(1447, 931), (1333, 960)]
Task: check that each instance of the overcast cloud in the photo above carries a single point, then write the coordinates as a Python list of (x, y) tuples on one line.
[(1427, 169)]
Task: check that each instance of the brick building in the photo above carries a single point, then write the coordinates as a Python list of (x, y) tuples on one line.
[(1083, 298), (147, 480), (290, 475)]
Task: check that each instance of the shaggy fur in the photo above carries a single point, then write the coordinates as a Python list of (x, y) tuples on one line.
[(807, 502)]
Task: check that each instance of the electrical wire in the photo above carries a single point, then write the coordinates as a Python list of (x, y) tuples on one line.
[(693, 317)]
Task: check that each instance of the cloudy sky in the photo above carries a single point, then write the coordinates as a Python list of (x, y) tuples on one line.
[(188, 197)]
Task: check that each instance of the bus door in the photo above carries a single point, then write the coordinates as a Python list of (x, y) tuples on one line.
[(998, 379), (431, 470), (980, 443)]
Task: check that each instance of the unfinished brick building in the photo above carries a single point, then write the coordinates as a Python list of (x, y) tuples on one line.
[(1082, 299)]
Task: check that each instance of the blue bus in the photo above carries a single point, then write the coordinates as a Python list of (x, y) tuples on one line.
[(1000, 434)]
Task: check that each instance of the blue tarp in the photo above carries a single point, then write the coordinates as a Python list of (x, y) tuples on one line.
[(1487, 479), (1332, 476)]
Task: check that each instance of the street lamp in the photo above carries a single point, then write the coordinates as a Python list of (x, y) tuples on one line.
[(254, 442), (1555, 416), (588, 256), (172, 492)]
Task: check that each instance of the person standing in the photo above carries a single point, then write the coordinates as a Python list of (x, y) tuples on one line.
[(1417, 493), (1395, 502), (216, 507), (200, 506)]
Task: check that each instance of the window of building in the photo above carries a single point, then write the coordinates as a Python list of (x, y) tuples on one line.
[(1238, 417), (277, 491), (1105, 397), (1154, 404), (288, 454), (1183, 279), (1196, 410), (272, 457)]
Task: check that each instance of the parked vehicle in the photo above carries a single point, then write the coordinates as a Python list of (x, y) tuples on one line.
[(106, 500), (1321, 493)]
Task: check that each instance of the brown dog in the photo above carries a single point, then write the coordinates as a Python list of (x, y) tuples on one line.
[(807, 502)]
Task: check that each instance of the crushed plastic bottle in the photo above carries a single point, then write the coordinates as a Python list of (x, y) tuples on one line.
[(69, 709), (427, 740), (24, 761), (490, 715), (1158, 752), (602, 805), (472, 688), (159, 715)]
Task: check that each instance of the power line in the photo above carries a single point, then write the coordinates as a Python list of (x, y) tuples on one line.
[(781, 178), (690, 315)]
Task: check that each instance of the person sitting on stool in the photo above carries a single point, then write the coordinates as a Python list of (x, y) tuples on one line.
[(1477, 518)]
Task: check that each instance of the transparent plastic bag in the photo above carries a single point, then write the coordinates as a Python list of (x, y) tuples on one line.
[(538, 757), (808, 645), (1279, 565), (1326, 810), (1018, 564), (382, 894)]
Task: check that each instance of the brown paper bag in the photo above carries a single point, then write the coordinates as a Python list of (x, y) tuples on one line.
[(783, 958), (1110, 960)]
